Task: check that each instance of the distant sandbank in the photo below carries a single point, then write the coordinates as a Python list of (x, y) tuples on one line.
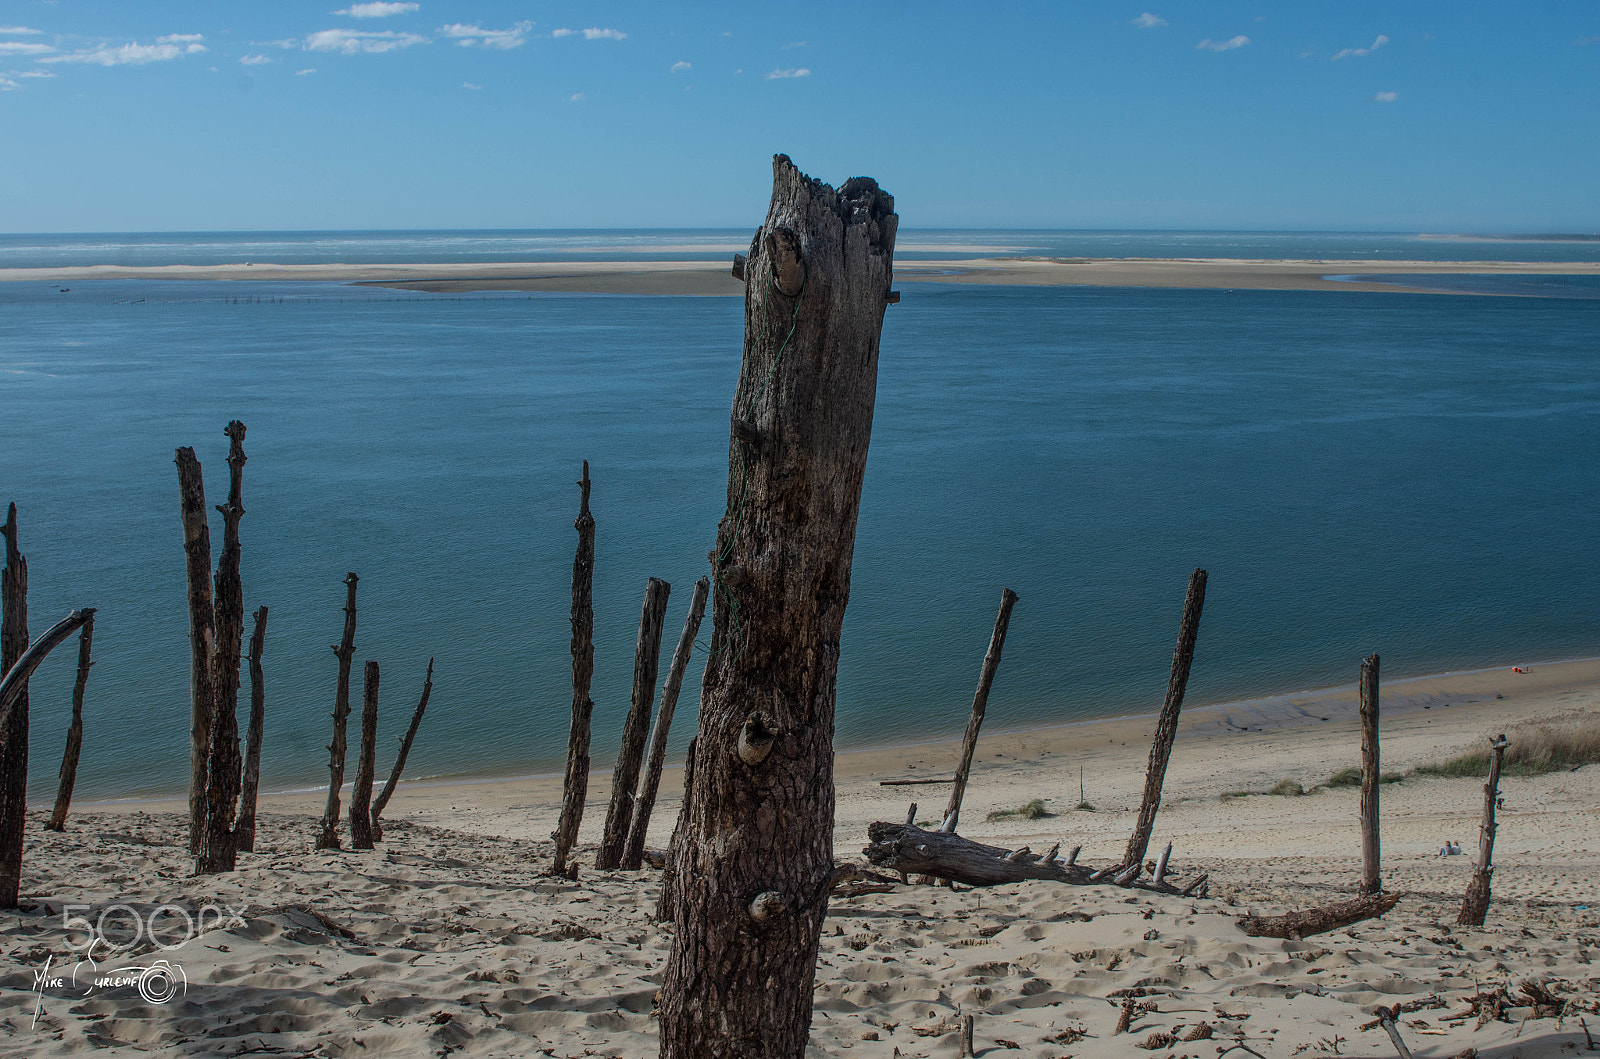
[(715, 279)]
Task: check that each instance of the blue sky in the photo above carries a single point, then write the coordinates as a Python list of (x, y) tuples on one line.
[(1424, 116)]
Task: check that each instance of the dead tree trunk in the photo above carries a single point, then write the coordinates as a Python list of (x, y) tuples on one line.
[(1475, 905), (14, 732), (755, 860), (980, 701), (945, 855), (645, 804), (576, 788), (1167, 725), (1294, 926), (219, 850), (15, 682), (250, 783), (328, 838), (202, 635), (382, 801), (69, 758), (1371, 766), (625, 777), (667, 903), (361, 789)]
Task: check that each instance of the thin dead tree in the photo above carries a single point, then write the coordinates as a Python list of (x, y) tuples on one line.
[(980, 702), (14, 733), (1166, 729), (328, 836), (1475, 904), (576, 788), (754, 863), (361, 788), (382, 801), (650, 786), (250, 785), (625, 777), (219, 850), (15, 682), (68, 776), (1371, 772), (202, 635)]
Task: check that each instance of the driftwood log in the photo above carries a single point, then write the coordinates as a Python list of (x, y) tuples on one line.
[(946, 855), (14, 729), (630, 758), (328, 836), (1293, 926), (576, 788), (382, 801), (250, 784), (68, 776), (1371, 773), (361, 786)]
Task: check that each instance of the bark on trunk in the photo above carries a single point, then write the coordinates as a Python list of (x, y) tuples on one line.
[(219, 849), (980, 701), (625, 777), (1475, 904), (14, 730), (1294, 926), (945, 855), (667, 903), (328, 838), (755, 859), (69, 758), (382, 801), (576, 788), (361, 789), (1371, 771), (645, 804), (250, 784), (202, 636), (1167, 725)]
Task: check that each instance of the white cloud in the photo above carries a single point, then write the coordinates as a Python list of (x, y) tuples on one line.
[(254, 60), (1386, 97), (181, 38), (1223, 45), (34, 73), (351, 41), (1149, 21), (796, 44), (470, 87), (470, 35), (378, 9), (307, 70), (21, 31), (8, 85), (1348, 53), (593, 33), (129, 54), (18, 47), (779, 75), (681, 67), (576, 97), (561, 33)]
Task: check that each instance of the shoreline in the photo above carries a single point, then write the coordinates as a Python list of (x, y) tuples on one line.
[(710, 279)]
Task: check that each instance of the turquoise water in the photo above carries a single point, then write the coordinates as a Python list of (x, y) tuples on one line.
[(1412, 474)]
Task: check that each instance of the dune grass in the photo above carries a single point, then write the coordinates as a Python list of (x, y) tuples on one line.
[(1552, 745), (1034, 810)]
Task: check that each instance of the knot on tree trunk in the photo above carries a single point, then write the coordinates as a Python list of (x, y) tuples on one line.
[(766, 906), (756, 739), (788, 269)]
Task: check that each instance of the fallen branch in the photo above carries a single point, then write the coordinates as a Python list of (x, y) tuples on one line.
[(1294, 926), (946, 855)]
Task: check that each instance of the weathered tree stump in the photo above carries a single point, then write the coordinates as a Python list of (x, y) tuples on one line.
[(361, 787), (625, 777), (218, 846), (1475, 903), (202, 635), (328, 836), (754, 862), (14, 732), (68, 776), (576, 787), (1371, 773), (382, 801), (1294, 926), (980, 701), (250, 785)]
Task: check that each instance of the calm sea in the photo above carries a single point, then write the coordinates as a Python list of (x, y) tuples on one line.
[(1408, 473)]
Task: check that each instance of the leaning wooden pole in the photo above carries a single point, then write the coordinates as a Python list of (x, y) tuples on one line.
[(250, 782), (14, 684), (755, 859), (361, 787), (328, 837), (625, 777), (382, 801), (14, 732), (576, 788), (202, 635), (1475, 904), (219, 850), (650, 786), (980, 702), (1371, 772), (68, 776), (1167, 725)]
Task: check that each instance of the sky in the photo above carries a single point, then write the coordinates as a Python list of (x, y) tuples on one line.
[(1432, 115)]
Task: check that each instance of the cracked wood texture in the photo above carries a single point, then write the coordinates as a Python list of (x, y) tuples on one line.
[(361, 788), (218, 845), (202, 635), (625, 778), (14, 732), (1371, 772), (755, 856), (576, 788)]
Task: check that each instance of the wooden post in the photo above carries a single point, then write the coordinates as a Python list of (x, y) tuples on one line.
[(967, 1048), (202, 635), (1161, 866), (250, 784), (328, 838), (1475, 905), (1371, 765), (644, 805), (14, 732), (69, 758), (361, 789), (991, 662), (219, 851), (625, 777), (400, 758), (758, 816), (15, 681), (1167, 725), (577, 780)]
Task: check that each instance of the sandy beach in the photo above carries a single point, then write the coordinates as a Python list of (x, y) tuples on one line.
[(700, 278), (449, 937)]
